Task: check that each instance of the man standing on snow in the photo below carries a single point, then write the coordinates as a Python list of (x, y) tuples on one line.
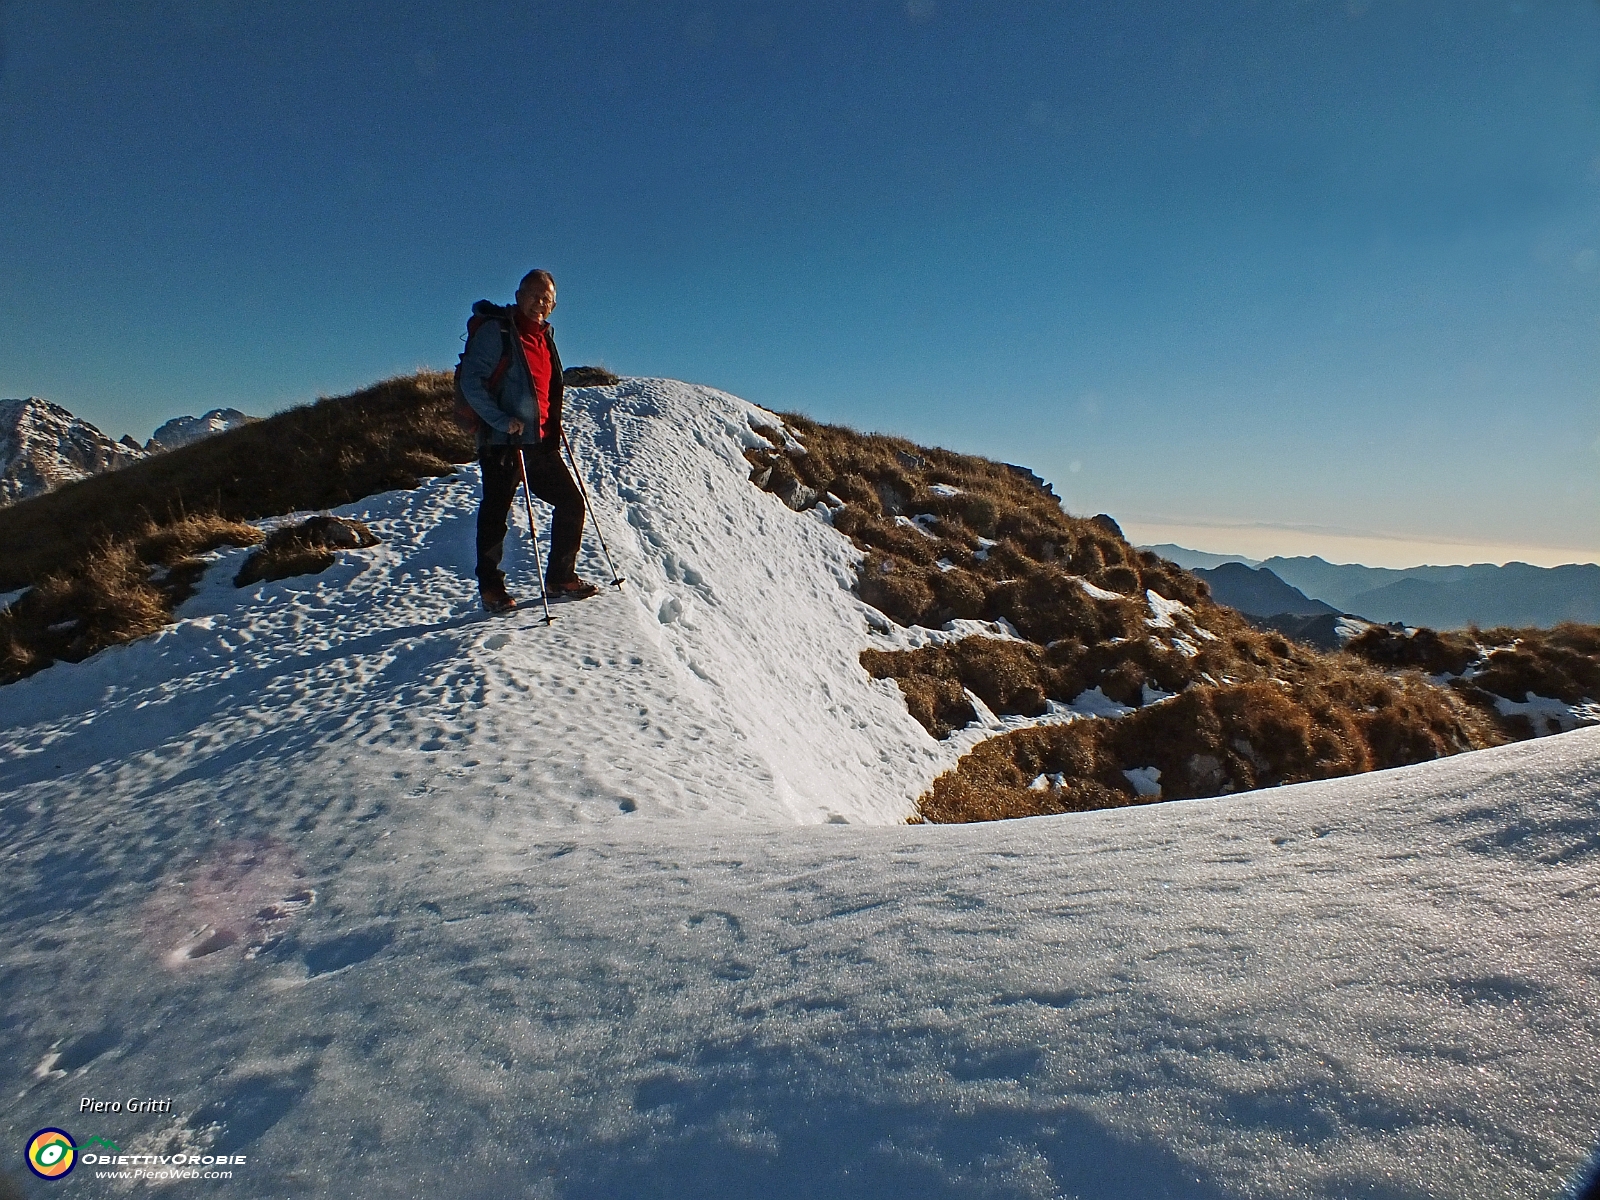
[(519, 403)]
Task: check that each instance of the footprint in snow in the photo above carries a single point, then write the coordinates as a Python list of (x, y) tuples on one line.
[(242, 894), (713, 922)]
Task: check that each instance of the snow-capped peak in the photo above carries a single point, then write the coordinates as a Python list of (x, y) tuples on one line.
[(43, 446), (181, 431)]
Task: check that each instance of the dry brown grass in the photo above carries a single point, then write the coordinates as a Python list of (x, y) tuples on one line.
[(116, 592), (1210, 741), (588, 377), (1485, 666), (931, 684), (1562, 663), (1427, 650), (316, 456), (1247, 708), (303, 549), (1005, 675), (87, 549), (1025, 576), (1110, 647)]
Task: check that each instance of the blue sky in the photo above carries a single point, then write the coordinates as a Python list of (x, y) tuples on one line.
[(1286, 276)]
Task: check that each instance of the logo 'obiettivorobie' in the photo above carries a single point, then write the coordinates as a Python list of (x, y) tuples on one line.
[(52, 1153)]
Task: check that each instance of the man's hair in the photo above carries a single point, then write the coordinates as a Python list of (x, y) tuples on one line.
[(537, 275)]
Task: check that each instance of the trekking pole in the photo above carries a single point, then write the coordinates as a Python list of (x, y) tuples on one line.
[(616, 580), (533, 534)]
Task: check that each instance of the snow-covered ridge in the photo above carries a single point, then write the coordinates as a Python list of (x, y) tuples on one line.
[(394, 898), (722, 679)]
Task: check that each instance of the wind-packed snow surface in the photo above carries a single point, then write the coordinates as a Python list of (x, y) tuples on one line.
[(396, 899)]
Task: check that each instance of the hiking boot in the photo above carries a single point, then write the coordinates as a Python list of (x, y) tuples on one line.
[(497, 600), (571, 589)]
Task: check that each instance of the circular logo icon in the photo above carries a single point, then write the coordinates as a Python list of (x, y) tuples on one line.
[(52, 1153)]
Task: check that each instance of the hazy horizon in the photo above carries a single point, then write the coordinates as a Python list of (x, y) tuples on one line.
[(1343, 548), (1260, 541)]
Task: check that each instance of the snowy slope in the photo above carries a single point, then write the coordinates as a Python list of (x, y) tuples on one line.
[(396, 899), (722, 679)]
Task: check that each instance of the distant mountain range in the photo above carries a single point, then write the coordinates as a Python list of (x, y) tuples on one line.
[(1516, 594), (42, 445), (1270, 603), (1259, 593), (181, 431), (1190, 559)]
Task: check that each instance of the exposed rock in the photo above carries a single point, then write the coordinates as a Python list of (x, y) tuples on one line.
[(892, 499), (43, 446), (1109, 524), (303, 549), (1037, 482), (795, 494), (911, 462)]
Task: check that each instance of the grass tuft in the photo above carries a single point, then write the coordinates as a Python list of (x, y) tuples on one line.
[(1490, 666), (87, 550), (117, 592), (1218, 705), (588, 377), (303, 549), (1209, 741)]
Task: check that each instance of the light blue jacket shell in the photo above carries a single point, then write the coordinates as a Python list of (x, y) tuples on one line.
[(516, 397)]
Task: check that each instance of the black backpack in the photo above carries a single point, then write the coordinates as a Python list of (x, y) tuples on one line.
[(466, 416)]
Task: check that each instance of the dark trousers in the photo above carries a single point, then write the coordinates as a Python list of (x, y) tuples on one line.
[(549, 480)]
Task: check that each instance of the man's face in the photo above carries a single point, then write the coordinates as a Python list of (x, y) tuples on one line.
[(536, 299)]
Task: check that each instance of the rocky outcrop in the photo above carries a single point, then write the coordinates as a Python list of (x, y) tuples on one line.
[(304, 549), (43, 446)]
